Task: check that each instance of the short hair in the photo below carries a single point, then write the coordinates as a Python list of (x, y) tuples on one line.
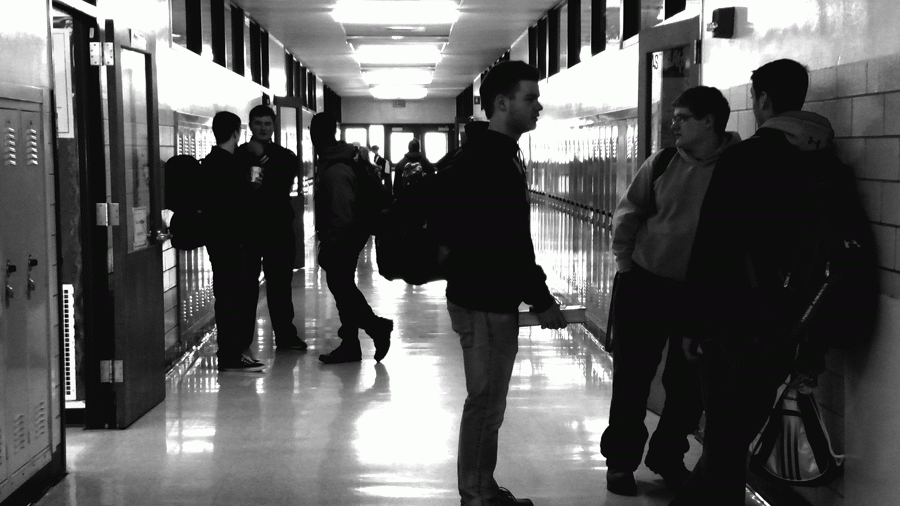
[(375, 148), (784, 81), (260, 111), (224, 125), (703, 101), (322, 129), (414, 146), (503, 79)]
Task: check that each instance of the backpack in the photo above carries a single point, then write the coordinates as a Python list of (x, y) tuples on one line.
[(183, 175), (410, 246), (830, 281), (372, 197), (413, 173)]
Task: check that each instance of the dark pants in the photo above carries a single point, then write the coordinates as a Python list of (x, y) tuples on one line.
[(274, 250), (739, 388), (339, 262), (646, 309), (234, 288)]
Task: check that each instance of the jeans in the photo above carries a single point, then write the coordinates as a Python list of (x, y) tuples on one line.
[(274, 251), (489, 342), (339, 262), (234, 288), (645, 308)]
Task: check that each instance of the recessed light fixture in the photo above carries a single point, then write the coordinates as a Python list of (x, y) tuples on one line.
[(395, 92), (397, 54), (398, 76), (396, 12)]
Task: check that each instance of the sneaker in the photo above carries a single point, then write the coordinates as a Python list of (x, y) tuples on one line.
[(295, 344), (674, 475), (621, 482), (380, 332), (505, 498), (346, 352), (242, 363)]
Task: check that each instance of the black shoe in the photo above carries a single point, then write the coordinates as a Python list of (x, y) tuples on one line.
[(380, 332), (507, 499), (620, 482), (674, 475), (242, 363), (346, 352), (295, 344)]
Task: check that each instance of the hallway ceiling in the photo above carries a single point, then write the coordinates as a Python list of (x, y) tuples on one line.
[(484, 30)]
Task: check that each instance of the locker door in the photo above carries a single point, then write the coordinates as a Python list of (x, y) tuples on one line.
[(8, 150)]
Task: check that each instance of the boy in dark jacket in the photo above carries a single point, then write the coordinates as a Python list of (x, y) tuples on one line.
[(227, 199), (492, 270)]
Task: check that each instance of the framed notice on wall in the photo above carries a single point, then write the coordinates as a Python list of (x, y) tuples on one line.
[(62, 84)]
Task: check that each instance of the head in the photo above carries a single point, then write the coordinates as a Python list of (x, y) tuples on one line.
[(323, 130), (262, 123), (226, 126), (700, 115), (364, 153), (509, 96), (778, 87), (375, 149), (414, 146)]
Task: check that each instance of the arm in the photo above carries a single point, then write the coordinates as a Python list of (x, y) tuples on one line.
[(632, 213)]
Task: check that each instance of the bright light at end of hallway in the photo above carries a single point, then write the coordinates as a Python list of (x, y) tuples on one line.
[(403, 12)]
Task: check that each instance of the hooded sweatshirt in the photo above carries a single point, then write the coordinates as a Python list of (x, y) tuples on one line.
[(661, 241), (336, 187), (748, 214)]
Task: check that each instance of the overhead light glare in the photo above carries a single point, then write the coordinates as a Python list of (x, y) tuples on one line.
[(396, 12), (399, 54), (394, 92), (398, 76)]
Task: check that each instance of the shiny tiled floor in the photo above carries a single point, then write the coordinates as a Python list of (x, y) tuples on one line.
[(302, 433)]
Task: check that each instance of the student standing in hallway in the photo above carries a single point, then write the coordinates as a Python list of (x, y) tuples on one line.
[(653, 230), (342, 232), (272, 229), (492, 270), (226, 209)]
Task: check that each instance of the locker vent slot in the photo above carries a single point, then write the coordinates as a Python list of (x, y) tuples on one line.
[(31, 154), (69, 340), (40, 420), (9, 146), (20, 434)]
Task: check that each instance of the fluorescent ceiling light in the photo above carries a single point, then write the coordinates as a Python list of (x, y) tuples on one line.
[(392, 92), (397, 54), (396, 12), (398, 76)]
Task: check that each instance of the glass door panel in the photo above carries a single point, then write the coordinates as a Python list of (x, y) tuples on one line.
[(137, 154)]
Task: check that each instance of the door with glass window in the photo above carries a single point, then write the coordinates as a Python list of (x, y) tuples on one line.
[(134, 367)]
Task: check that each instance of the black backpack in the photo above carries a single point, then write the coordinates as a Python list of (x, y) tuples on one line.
[(830, 280), (183, 176)]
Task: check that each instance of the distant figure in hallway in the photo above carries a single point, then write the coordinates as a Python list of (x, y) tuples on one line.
[(653, 230), (228, 198), (383, 166), (411, 168), (750, 240), (342, 233), (272, 230), (492, 269)]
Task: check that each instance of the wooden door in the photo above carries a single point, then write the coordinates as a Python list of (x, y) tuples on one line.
[(136, 370)]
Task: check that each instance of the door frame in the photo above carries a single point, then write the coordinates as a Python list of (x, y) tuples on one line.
[(658, 38)]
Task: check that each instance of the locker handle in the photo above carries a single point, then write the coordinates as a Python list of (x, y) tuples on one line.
[(10, 268)]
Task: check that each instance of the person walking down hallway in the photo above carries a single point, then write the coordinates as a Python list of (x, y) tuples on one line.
[(411, 168), (227, 199), (654, 226), (271, 228), (343, 231), (492, 269)]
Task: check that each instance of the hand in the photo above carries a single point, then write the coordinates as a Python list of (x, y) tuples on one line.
[(803, 382), (552, 318), (692, 349)]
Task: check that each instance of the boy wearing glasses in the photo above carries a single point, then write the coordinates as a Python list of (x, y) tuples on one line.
[(653, 231)]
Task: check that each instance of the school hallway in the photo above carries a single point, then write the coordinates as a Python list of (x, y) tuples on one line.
[(367, 434)]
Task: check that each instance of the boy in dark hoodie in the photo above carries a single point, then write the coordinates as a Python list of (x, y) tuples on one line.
[(413, 156), (342, 233), (749, 217)]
